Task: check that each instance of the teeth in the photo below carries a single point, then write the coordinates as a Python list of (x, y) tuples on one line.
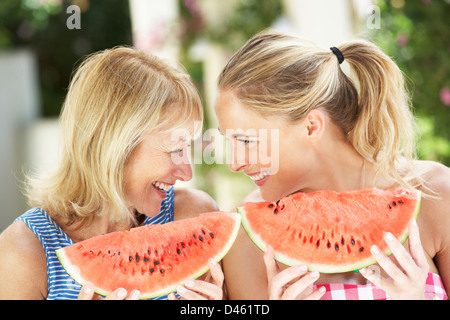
[(162, 186), (257, 177)]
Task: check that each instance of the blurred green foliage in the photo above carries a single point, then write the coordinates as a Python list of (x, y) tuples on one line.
[(40, 25), (417, 35)]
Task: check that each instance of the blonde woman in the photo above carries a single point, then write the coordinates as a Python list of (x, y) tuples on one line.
[(116, 171), (343, 122)]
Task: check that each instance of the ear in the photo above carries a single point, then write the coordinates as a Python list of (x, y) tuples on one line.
[(315, 124)]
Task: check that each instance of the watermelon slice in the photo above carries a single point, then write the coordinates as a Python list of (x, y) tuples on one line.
[(154, 259), (330, 232)]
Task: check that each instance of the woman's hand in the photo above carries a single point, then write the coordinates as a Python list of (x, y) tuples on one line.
[(408, 279), (87, 293), (292, 283), (208, 289)]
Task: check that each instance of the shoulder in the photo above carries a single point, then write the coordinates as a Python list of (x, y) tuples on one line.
[(23, 271), (435, 180), (190, 203), (435, 206)]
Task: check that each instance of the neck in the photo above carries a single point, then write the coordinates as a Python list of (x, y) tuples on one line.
[(339, 167), (99, 225)]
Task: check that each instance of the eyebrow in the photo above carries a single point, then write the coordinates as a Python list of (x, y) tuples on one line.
[(237, 135)]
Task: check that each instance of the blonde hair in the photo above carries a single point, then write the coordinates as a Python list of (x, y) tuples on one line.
[(278, 74), (115, 99)]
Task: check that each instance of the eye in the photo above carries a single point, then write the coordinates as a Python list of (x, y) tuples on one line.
[(177, 151), (246, 141)]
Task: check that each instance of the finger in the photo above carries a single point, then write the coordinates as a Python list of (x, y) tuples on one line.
[(134, 295), (118, 294), (316, 294), (415, 246), (377, 279), (206, 289), (280, 280), (388, 266), (217, 276), (172, 296), (86, 293), (401, 254), (271, 265), (300, 285), (189, 294)]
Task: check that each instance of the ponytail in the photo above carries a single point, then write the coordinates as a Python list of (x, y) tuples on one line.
[(383, 132)]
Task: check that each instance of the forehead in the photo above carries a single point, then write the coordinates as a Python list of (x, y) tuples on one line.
[(232, 114)]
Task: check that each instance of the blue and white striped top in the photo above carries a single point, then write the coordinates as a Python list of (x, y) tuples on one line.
[(60, 285)]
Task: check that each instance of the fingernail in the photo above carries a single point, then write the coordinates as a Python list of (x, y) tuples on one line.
[(121, 293), (322, 289), (87, 289), (314, 274), (414, 222), (213, 262), (388, 236), (301, 268), (189, 284), (374, 249), (181, 290), (135, 294)]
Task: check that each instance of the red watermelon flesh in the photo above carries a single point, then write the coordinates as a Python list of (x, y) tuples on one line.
[(330, 232), (154, 259)]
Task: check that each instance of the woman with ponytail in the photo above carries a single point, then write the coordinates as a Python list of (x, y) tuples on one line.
[(344, 122)]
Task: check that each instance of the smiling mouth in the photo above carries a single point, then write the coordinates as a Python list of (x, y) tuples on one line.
[(162, 186), (259, 176)]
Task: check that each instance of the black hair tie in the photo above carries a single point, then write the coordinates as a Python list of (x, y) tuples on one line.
[(338, 54)]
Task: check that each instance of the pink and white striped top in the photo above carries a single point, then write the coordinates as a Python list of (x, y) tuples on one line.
[(434, 290)]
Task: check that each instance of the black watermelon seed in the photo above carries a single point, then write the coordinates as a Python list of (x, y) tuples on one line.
[(211, 235), (200, 238), (336, 247), (183, 245), (195, 237), (109, 251), (156, 252), (130, 258), (146, 259), (275, 211), (152, 270), (271, 205), (156, 262), (203, 231), (390, 207), (353, 242), (118, 253), (278, 201), (178, 251), (162, 270), (361, 249), (342, 241), (400, 201), (394, 203), (318, 243), (137, 258), (328, 245)]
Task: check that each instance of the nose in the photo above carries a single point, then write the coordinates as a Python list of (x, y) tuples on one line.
[(183, 169), (183, 172), (236, 167)]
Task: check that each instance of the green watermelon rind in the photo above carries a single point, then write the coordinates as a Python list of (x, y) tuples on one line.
[(322, 268), (73, 270)]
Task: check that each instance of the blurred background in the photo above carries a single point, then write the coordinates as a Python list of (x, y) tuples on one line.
[(42, 41)]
